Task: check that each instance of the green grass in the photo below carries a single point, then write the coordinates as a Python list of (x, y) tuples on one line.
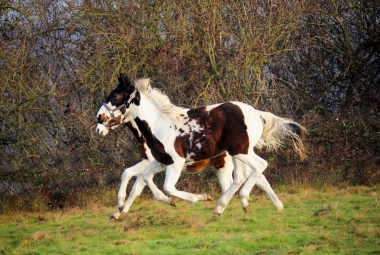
[(314, 221)]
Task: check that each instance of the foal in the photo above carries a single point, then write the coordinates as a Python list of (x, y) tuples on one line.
[(223, 165), (178, 135)]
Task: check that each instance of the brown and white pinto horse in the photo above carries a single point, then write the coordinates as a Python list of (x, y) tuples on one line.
[(222, 163), (178, 135)]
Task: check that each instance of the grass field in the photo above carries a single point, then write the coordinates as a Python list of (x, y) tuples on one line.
[(329, 220)]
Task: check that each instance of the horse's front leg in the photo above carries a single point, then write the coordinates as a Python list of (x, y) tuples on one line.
[(127, 175), (135, 192), (135, 170), (173, 172), (148, 174)]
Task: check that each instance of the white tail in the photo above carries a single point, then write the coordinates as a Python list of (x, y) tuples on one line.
[(277, 129)]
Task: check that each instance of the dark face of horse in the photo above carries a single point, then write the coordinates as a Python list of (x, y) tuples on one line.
[(115, 108)]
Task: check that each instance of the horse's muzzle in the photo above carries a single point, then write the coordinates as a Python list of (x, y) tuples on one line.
[(102, 130)]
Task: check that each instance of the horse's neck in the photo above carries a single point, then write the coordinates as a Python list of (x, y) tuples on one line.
[(131, 124), (145, 111), (150, 120), (144, 151), (148, 113)]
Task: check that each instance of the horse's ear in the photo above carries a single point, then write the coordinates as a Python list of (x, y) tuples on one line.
[(121, 78), (124, 81)]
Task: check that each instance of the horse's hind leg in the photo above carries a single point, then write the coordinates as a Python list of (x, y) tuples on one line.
[(263, 184), (239, 178), (257, 165), (225, 174)]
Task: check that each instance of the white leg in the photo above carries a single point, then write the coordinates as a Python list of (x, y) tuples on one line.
[(136, 191), (225, 179), (148, 173), (225, 174), (239, 179), (127, 175), (257, 165), (263, 184), (172, 175)]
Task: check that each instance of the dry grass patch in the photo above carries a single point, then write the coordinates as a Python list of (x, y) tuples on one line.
[(39, 235), (366, 231), (89, 232), (91, 223), (311, 248), (71, 237)]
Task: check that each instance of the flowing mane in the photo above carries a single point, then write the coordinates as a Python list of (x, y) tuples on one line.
[(166, 109)]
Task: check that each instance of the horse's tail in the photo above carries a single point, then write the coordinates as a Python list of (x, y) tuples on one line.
[(277, 129)]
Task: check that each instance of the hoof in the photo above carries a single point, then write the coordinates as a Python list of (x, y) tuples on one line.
[(121, 208), (113, 217), (280, 208), (172, 202), (208, 197), (216, 214), (246, 208)]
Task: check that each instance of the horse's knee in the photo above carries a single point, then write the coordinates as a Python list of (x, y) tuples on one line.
[(264, 164), (146, 178), (125, 175)]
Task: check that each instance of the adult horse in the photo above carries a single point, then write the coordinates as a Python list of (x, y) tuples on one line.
[(222, 163), (178, 135)]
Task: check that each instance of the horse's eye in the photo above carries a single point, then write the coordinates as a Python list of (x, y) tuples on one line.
[(114, 96)]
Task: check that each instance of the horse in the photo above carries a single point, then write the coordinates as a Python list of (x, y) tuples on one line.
[(222, 164), (177, 135)]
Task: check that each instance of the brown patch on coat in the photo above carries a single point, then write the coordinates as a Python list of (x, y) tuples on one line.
[(182, 145), (102, 118), (224, 129), (234, 136), (197, 166), (219, 161)]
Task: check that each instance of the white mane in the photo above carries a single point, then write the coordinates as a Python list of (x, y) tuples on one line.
[(165, 108)]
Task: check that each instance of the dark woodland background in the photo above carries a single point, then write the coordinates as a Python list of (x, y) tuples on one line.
[(316, 61)]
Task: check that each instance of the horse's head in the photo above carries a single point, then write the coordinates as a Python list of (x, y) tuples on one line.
[(114, 110)]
